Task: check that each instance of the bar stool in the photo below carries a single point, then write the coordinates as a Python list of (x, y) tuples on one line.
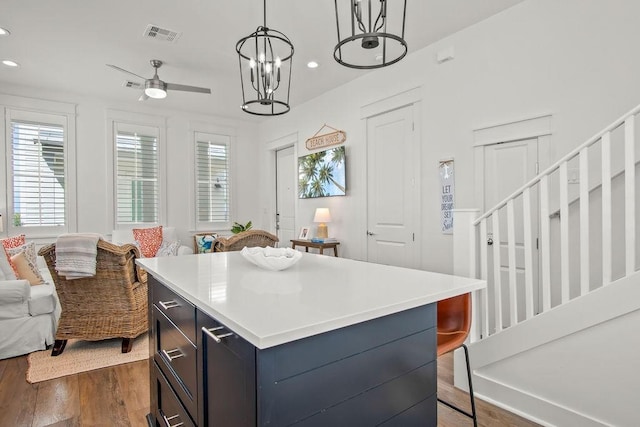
[(454, 322)]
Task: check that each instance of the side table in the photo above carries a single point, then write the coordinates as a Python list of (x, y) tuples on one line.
[(320, 246)]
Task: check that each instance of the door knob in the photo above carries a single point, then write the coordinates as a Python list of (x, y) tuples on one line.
[(369, 233)]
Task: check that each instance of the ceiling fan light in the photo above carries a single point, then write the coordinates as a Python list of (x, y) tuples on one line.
[(155, 89), (155, 93)]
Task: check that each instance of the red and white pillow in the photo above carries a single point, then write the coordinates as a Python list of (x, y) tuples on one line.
[(22, 258), (148, 240), (10, 243)]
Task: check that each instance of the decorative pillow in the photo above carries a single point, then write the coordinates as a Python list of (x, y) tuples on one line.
[(26, 270), (149, 240), (168, 248), (204, 243), (12, 242), (29, 250)]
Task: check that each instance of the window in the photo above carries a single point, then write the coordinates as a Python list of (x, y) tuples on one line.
[(40, 183), (37, 160), (137, 185), (212, 180)]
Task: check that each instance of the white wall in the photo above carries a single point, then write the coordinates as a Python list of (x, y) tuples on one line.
[(94, 171), (575, 59)]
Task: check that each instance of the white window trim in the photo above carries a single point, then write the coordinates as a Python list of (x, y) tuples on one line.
[(208, 128), (17, 107), (127, 118)]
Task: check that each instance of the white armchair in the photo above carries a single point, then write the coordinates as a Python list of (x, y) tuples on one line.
[(28, 314), (169, 234)]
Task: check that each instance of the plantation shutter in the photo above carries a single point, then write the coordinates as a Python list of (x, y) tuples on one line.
[(137, 178), (38, 174), (212, 178)]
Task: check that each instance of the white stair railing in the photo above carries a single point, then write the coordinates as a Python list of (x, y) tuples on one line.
[(550, 238)]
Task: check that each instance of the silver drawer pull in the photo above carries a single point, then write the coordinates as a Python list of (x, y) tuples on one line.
[(173, 354), (168, 420), (216, 338), (169, 304)]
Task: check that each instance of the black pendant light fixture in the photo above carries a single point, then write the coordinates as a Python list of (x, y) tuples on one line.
[(373, 32), (265, 58)]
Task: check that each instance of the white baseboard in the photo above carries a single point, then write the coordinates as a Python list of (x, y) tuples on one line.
[(510, 399)]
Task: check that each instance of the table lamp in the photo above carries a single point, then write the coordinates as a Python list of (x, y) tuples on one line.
[(322, 216)]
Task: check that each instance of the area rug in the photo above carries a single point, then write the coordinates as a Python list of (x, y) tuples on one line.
[(81, 356)]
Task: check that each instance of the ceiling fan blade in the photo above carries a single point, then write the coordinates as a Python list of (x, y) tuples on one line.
[(115, 67), (143, 97), (185, 88)]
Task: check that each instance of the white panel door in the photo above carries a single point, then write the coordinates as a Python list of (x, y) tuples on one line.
[(392, 199), (285, 195), (507, 167)]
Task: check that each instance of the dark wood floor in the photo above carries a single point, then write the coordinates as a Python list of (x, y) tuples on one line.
[(119, 396)]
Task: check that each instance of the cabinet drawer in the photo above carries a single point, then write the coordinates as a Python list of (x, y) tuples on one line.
[(169, 412), (227, 397), (176, 357), (181, 312)]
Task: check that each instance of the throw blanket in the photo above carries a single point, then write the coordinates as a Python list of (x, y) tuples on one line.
[(76, 255)]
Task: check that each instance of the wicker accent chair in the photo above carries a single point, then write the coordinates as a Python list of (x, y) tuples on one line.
[(111, 304), (250, 238)]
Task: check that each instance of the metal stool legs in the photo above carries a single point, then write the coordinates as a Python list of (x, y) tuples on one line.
[(473, 414)]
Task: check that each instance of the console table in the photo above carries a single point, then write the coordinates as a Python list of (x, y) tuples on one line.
[(320, 246)]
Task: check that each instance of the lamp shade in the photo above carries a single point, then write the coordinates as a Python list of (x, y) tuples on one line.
[(322, 215)]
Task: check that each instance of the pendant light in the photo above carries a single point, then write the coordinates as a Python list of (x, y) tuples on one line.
[(265, 58), (373, 32)]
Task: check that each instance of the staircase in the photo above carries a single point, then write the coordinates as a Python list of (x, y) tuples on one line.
[(556, 333)]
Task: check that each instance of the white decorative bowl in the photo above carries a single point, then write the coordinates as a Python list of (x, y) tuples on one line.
[(274, 259)]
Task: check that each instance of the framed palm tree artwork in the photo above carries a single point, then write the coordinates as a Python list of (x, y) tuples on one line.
[(322, 174)]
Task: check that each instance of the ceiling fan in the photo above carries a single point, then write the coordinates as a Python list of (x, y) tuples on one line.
[(156, 88)]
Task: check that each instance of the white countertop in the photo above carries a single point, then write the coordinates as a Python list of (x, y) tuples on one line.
[(316, 295)]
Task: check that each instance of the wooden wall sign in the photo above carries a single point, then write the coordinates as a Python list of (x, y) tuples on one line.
[(327, 139)]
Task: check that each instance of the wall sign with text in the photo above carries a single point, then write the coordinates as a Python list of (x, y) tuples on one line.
[(326, 139), (447, 195)]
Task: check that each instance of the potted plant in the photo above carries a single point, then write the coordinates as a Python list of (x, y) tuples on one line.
[(239, 228)]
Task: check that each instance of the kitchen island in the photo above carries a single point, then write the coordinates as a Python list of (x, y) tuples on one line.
[(329, 341)]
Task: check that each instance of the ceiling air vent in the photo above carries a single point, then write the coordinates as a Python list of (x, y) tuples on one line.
[(163, 34), (134, 85)]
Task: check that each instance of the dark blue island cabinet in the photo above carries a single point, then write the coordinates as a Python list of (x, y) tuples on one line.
[(381, 372)]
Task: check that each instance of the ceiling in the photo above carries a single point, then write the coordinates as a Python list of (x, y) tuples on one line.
[(63, 45)]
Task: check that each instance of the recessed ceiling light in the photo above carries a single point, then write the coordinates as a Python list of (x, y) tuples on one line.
[(10, 63), (312, 64), (4, 32)]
